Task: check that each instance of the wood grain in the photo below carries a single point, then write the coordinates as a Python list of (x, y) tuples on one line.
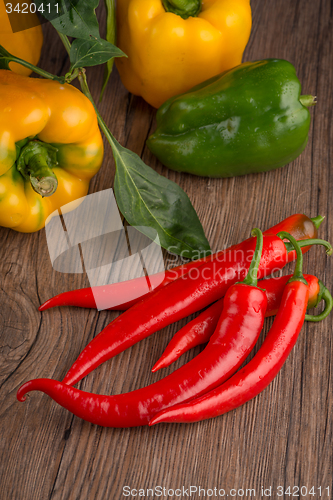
[(284, 436)]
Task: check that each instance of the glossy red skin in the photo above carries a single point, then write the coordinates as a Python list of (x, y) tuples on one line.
[(199, 330), (237, 331), (298, 225), (258, 373), (87, 297), (196, 332), (176, 301)]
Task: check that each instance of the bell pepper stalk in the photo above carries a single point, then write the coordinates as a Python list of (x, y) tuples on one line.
[(36, 161), (183, 8), (308, 100)]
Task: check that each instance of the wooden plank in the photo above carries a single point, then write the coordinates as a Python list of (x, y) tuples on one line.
[(284, 436)]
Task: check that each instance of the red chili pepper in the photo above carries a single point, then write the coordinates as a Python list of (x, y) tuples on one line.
[(138, 287), (263, 368), (299, 225), (178, 300), (237, 331), (200, 329)]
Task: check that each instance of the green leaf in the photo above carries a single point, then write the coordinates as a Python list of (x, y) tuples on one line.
[(92, 52), (74, 18), (148, 199), (111, 36), (151, 202)]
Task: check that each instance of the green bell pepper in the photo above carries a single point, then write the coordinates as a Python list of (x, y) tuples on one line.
[(248, 119)]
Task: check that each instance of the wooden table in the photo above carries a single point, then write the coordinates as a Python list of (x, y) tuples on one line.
[(281, 438)]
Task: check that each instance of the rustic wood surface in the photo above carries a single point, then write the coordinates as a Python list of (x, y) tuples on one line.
[(284, 436)]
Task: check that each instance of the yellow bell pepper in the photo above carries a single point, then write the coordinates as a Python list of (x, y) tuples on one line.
[(173, 45), (25, 44), (50, 148)]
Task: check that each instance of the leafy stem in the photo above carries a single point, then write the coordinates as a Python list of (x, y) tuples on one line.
[(150, 202), (6, 58), (85, 89), (72, 74), (111, 29), (81, 74), (65, 41)]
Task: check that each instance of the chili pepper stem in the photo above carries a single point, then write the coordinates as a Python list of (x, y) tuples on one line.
[(327, 297), (317, 220), (251, 277), (183, 8), (298, 274), (305, 243)]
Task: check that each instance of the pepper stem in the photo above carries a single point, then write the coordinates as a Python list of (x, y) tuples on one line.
[(317, 220), (307, 243), (308, 100), (183, 8), (35, 162), (298, 274), (324, 295), (251, 277)]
